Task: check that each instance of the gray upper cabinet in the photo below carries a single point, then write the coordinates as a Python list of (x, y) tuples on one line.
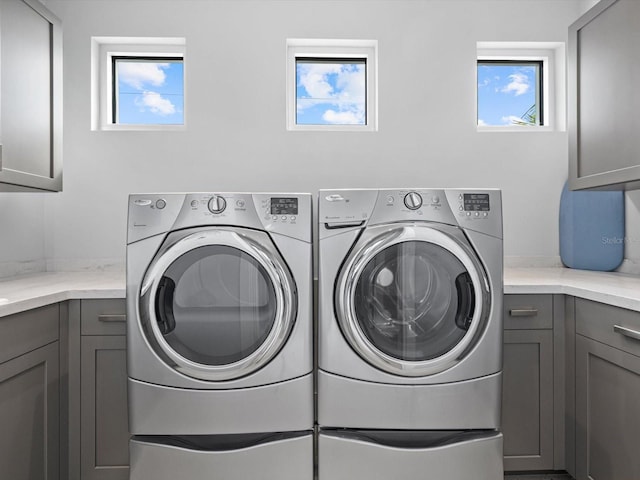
[(603, 74), (30, 97)]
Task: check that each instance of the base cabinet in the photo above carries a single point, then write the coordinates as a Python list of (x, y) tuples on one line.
[(607, 393), (102, 433), (30, 396), (528, 383)]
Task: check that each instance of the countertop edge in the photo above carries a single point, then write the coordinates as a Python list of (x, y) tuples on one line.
[(37, 290)]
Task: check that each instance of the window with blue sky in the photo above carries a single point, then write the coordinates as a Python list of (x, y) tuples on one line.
[(148, 91), (509, 93), (331, 91)]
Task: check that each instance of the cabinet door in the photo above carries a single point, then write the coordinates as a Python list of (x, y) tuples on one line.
[(104, 421), (29, 415), (607, 412), (30, 97), (527, 400)]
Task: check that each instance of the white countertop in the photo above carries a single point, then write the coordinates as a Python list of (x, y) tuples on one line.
[(618, 289), (22, 293), (18, 294)]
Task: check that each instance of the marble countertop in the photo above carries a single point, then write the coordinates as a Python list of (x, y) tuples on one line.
[(18, 294), (22, 293), (618, 289)]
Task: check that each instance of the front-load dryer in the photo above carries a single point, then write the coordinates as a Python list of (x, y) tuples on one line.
[(410, 333), (220, 335)]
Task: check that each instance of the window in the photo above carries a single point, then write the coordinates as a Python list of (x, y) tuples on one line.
[(138, 83), (147, 90), (510, 93), (331, 85), (520, 86)]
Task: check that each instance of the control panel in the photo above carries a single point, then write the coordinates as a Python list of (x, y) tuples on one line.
[(476, 205), (287, 214), (476, 209)]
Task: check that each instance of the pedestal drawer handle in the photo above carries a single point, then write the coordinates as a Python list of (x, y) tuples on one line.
[(112, 318), (523, 312), (627, 332)]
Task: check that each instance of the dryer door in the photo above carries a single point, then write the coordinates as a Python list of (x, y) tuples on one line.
[(412, 300), (218, 304)]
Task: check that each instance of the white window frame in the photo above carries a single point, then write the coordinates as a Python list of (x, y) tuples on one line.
[(552, 56), (329, 49), (103, 49)]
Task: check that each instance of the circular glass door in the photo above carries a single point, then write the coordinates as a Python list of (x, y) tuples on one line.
[(411, 300), (220, 303)]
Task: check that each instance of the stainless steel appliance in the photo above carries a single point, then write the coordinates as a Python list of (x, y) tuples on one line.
[(410, 334), (219, 338)]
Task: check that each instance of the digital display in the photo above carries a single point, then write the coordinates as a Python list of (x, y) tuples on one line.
[(476, 202), (284, 206)]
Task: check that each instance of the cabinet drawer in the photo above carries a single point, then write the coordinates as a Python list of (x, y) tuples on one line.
[(26, 331), (528, 312), (103, 317), (614, 326)]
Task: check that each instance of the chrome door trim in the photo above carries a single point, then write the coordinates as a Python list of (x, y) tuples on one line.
[(373, 241), (260, 247)]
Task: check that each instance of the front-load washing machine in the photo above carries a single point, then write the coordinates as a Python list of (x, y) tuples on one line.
[(220, 336), (410, 334)]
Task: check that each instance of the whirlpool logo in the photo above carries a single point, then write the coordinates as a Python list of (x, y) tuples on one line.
[(335, 197)]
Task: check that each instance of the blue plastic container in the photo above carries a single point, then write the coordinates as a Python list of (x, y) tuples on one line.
[(592, 229)]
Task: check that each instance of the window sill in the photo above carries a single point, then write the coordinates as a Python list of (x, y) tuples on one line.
[(143, 128), (516, 129)]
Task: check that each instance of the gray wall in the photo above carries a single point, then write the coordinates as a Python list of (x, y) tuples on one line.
[(236, 137)]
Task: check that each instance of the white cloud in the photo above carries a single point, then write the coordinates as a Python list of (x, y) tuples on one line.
[(512, 120), (481, 123), (334, 83), (314, 77), (137, 74), (519, 84), (344, 118), (156, 103)]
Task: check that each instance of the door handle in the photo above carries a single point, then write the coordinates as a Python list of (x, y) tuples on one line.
[(112, 318), (523, 312), (627, 332)]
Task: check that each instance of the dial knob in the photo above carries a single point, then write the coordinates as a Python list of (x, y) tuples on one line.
[(217, 204), (413, 200)]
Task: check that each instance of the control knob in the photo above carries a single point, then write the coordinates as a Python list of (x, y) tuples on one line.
[(413, 200), (217, 204)]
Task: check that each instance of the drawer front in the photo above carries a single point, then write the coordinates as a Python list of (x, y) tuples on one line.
[(528, 312), (26, 331), (103, 317), (614, 326)]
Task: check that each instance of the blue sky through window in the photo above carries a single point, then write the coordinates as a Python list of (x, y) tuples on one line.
[(507, 92), (330, 92), (150, 92)]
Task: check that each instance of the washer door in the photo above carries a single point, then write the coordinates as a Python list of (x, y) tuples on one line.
[(218, 304), (412, 300)]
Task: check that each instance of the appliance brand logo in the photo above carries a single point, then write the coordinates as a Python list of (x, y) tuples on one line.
[(335, 197)]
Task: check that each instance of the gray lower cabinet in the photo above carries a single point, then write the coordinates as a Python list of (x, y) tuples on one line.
[(529, 402), (607, 392), (102, 435), (30, 395)]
